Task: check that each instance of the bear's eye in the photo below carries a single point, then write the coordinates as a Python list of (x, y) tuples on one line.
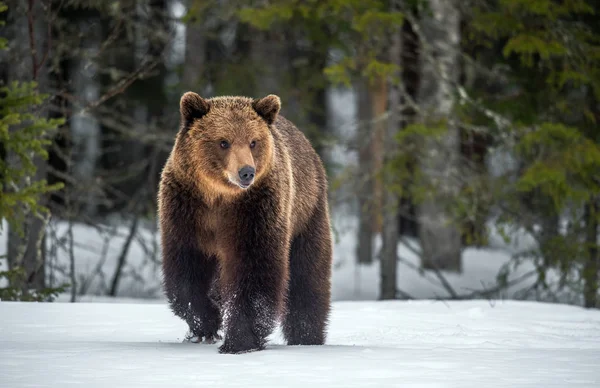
[(224, 144), (253, 144)]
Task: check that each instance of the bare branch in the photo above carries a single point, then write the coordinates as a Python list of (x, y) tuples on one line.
[(72, 262), (123, 257)]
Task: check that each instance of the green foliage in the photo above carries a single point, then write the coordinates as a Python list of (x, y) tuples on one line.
[(546, 35), (552, 52), (562, 163), (529, 45), (265, 17), (19, 276), (24, 137), (546, 90), (3, 41), (359, 29), (340, 73), (412, 146)]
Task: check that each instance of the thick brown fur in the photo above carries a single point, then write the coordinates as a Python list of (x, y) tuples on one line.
[(240, 259)]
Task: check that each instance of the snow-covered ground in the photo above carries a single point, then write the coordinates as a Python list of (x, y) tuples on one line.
[(370, 344)]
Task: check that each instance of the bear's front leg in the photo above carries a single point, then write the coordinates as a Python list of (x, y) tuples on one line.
[(255, 280), (189, 273), (188, 276)]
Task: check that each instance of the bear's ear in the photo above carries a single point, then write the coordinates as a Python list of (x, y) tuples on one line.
[(267, 107), (191, 107)]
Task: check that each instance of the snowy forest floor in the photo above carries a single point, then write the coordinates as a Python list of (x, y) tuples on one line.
[(370, 344)]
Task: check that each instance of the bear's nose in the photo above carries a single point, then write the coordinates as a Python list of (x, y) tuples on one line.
[(246, 174)]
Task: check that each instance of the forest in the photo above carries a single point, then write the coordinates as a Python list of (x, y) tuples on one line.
[(461, 138)]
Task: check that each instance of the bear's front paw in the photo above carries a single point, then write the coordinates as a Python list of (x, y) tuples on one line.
[(202, 337), (240, 346), (212, 338)]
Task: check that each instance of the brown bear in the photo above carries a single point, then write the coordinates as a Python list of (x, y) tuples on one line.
[(244, 223)]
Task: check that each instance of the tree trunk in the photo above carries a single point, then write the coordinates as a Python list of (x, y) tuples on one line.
[(194, 75), (440, 237), (364, 248), (318, 107), (85, 128), (28, 39), (389, 252), (592, 263), (372, 104), (378, 91), (269, 53), (411, 77)]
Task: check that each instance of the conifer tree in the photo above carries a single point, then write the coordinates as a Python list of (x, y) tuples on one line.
[(24, 135)]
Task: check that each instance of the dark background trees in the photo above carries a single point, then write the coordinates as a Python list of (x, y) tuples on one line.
[(469, 121)]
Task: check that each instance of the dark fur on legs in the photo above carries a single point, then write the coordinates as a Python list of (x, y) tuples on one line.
[(189, 276), (187, 293), (254, 279), (309, 292)]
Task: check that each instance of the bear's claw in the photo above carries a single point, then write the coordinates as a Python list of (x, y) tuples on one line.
[(202, 338), (212, 338)]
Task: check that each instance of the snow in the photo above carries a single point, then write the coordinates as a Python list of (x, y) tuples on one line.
[(481, 266), (370, 344)]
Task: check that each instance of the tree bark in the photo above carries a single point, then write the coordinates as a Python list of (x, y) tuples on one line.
[(440, 237), (318, 104), (364, 178), (194, 75), (372, 104), (389, 252), (378, 90), (85, 128), (411, 77), (592, 263), (114, 284)]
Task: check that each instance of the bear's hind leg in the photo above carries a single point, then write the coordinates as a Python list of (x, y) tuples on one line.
[(309, 292)]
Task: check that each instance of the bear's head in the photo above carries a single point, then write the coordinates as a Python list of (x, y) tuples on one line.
[(225, 144)]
